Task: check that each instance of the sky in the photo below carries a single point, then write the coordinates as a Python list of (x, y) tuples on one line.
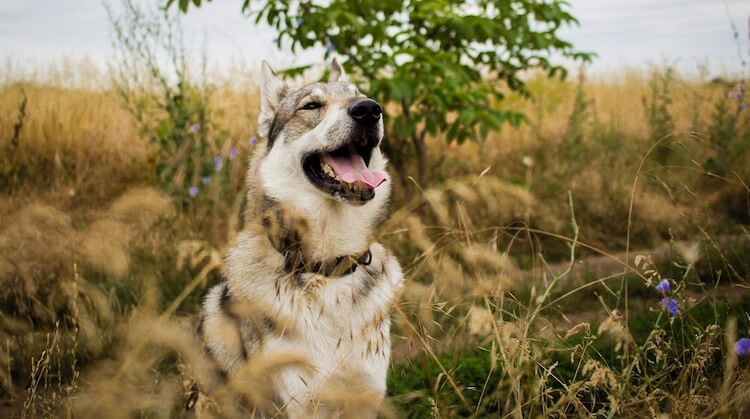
[(624, 34)]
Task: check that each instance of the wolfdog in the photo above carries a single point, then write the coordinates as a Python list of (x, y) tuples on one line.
[(307, 289)]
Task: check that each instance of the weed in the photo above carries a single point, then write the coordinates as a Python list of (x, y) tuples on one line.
[(660, 121)]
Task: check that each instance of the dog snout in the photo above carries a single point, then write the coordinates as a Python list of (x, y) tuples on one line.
[(365, 111)]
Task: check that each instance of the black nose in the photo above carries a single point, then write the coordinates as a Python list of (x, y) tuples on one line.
[(366, 111)]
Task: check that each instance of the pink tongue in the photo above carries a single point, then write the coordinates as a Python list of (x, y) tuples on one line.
[(353, 168)]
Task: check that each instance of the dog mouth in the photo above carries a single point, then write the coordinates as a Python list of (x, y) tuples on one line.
[(343, 173)]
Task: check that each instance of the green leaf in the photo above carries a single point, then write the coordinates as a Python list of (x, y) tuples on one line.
[(295, 71), (445, 65)]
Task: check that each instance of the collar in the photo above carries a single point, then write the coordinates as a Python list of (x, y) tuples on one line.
[(297, 265), (286, 235), (341, 265)]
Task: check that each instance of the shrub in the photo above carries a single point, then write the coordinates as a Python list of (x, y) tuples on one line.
[(441, 67), (660, 122)]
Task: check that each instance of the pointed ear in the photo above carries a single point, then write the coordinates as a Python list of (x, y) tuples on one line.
[(272, 90), (337, 72)]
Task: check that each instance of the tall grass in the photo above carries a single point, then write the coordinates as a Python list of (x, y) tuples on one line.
[(531, 259)]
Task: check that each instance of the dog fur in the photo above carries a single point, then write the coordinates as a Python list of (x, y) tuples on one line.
[(278, 296)]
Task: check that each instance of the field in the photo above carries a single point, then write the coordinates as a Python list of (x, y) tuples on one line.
[(532, 258)]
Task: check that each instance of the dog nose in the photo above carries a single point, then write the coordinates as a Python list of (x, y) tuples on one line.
[(366, 111)]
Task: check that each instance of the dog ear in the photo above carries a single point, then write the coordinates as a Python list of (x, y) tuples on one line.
[(337, 72), (272, 90)]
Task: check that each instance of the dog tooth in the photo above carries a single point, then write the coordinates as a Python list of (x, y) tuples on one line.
[(328, 170)]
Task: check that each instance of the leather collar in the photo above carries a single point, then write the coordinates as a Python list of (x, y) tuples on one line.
[(288, 241), (341, 265)]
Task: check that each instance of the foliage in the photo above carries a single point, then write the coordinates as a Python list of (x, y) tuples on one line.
[(151, 74), (660, 122), (724, 132), (442, 67), (9, 167), (574, 133), (420, 379)]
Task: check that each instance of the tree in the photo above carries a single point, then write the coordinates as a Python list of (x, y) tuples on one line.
[(443, 65)]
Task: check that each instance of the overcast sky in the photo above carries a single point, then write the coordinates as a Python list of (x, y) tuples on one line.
[(625, 33)]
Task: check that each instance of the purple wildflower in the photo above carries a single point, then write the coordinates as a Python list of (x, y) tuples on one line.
[(253, 140), (195, 127), (206, 180), (299, 22), (218, 163), (742, 347), (672, 306), (330, 47), (193, 191), (277, 41), (233, 153), (663, 286)]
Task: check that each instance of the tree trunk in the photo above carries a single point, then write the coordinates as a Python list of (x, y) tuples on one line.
[(421, 153), (396, 159)]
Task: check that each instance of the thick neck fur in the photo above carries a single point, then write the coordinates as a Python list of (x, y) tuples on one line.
[(336, 228)]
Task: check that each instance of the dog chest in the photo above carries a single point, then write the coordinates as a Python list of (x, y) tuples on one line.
[(344, 328)]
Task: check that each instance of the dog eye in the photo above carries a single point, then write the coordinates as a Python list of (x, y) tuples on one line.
[(312, 105)]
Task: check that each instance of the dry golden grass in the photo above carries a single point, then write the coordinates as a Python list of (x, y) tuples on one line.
[(101, 274), (67, 144)]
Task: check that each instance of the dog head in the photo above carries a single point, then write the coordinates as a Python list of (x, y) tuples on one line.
[(322, 141)]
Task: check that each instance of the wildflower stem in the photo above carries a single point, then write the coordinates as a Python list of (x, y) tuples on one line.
[(189, 288), (432, 354), (567, 270), (623, 283)]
